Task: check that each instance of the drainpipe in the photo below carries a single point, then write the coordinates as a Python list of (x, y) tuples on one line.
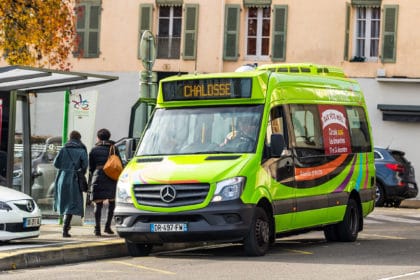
[(222, 31)]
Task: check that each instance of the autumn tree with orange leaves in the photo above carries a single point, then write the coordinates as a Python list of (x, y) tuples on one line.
[(39, 33)]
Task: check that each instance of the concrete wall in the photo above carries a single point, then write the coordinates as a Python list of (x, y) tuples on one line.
[(398, 135)]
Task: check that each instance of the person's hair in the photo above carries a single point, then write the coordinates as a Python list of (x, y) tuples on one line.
[(75, 135), (103, 134)]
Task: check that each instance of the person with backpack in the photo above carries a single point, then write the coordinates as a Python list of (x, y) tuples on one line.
[(68, 197), (103, 187)]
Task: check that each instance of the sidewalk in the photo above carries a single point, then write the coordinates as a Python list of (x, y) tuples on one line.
[(50, 248)]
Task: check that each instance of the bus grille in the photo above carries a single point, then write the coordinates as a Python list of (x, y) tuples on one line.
[(171, 195)]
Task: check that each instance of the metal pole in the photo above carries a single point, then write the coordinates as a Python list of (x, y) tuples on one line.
[(66, 117), (27, 158), (65, 130)]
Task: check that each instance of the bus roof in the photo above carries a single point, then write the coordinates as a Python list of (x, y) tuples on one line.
[(251, 86)]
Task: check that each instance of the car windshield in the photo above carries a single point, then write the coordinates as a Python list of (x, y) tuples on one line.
[(229, 129)]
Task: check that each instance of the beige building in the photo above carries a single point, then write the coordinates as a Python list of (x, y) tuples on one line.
[(374, 41)]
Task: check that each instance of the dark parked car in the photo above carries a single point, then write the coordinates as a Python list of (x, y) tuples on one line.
[(395, 179)]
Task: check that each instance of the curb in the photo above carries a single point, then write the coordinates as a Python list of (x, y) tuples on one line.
[(410, 203), (70, 253)]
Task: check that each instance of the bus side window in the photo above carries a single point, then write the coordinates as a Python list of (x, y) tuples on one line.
[(360, 140), (276, 125), (308, 138)]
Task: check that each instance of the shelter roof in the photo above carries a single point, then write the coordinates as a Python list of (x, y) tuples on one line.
[(30, 79)]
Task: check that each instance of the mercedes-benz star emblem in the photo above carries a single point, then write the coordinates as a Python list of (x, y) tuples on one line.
[(29, 206), (168, 194)]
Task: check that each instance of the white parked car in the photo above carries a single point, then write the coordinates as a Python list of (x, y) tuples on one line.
[(20, 216)]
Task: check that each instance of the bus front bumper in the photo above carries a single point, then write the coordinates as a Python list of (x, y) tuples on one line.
[(226, 222)]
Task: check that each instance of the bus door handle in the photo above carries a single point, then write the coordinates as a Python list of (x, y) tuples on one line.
[(288, 166)]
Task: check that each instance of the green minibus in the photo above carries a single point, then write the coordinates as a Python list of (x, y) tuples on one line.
[(249, 157)]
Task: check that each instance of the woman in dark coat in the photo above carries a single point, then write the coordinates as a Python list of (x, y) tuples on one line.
[(68, 197), (103, 187)]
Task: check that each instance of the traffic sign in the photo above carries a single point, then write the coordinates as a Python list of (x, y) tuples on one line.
[(147, 50)]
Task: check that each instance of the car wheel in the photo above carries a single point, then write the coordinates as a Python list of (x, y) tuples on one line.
[(258, 240), (137, 249), (380, 195), (348, 229), (397, 203)]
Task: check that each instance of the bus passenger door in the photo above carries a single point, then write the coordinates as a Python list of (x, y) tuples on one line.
[(310, 163), (279, 165)]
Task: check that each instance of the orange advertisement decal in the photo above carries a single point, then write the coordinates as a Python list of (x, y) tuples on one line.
[(312, 173)]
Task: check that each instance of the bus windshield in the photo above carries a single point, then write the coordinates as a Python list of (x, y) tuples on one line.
[(202, 130)]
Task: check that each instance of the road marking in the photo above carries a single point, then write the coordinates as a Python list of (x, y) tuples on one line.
[(401, 276), (370, 221), (383, 236), (299, 252), (145, 267), (392, 219)]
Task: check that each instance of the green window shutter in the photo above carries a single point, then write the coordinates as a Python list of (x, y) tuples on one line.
[(190, 31), (81, 30), (231, 40), (347, 33), (278, 52), (389, 33), (93, 33), (145, 22), (88, 26)]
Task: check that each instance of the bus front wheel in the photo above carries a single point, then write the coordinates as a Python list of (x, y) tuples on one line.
[(258, 239)]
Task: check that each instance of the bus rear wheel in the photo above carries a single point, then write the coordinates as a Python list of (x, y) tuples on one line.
[(348, 229), (257, 241)]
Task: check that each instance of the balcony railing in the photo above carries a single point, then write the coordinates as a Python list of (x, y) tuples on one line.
[(168, 47)]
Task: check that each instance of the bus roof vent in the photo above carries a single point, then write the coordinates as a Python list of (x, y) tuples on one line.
[(304, 68)]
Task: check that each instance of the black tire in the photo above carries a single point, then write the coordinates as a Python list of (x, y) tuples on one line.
[(380, 195), (137, 249), (348, 229), (330, 233), (257, 241), (397, 203)]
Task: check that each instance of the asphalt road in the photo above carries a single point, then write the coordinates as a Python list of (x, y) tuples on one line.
[(388, 248)]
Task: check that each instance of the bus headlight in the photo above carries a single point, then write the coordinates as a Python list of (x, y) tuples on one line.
[(123, 194), (229, 189)]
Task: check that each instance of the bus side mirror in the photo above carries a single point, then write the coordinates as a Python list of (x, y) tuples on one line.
[(277, 145)]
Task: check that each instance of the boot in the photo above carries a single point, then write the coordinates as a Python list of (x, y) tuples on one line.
[(66, 225), (111, 207), (98, 212)]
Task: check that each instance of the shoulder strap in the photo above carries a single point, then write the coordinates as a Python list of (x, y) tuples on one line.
[(112, 150)]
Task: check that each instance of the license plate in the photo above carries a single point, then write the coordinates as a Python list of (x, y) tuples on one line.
[(411, 186), (31, 222), (169, 227)]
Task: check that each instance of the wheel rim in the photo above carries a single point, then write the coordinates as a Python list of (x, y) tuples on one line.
[(262, 232), (378, 194)]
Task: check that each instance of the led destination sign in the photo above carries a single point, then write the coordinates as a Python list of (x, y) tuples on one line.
[(225, 88)]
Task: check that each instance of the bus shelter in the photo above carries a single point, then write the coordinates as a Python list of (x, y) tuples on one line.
[(17, 83)]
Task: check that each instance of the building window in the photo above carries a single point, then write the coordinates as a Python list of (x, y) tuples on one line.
[(368, 21), (169, 33), (88, 15), (258, 32)]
